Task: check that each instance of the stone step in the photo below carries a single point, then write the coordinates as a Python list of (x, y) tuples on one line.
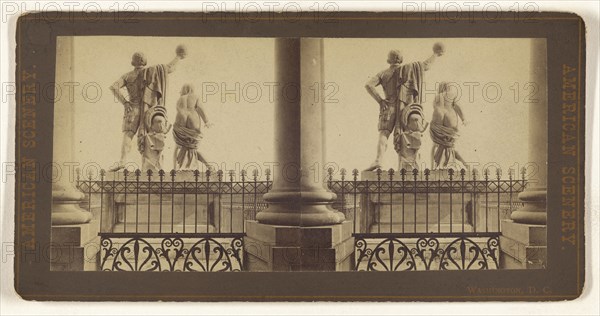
[(396, 214), (533, 235), (223, 219), (131, 213), (519, 255), (166, 199), (420, 228), (156, 227), (432, 199)]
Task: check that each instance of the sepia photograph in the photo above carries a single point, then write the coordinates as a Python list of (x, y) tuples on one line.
[(300, 154)]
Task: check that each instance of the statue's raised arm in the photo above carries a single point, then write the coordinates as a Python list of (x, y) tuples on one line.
[(438, 50), (180, 53)]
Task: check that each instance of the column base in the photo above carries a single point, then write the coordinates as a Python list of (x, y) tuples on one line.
[(310, 208), (75, 247), (293, 248), (69, 213), (65, 206), (534, 207), (307, 216), (523, 246)]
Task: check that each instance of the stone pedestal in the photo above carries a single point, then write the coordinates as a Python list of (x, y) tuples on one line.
[(75, 247), (166, 214), (421, 212), (523, 246), (294, 248)]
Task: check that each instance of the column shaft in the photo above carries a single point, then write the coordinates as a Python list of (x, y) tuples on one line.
[(65, 197), (534, 197), (298, 196)]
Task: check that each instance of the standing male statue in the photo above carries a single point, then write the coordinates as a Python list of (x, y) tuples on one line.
[(146, 88), (402, 86)]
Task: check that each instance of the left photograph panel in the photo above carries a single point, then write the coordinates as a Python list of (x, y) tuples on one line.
[(162, 150)]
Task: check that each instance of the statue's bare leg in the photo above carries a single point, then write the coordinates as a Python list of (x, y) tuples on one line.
[(401, 164), (460, 158), (441, 157), (202, 159), (175, 153), (432, 157), (125, 149), (381, 149)]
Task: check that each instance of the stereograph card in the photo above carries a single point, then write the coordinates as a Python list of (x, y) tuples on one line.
[(267, 157)]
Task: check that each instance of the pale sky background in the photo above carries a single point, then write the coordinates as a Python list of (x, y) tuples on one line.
[(243, 130), (497, 132)]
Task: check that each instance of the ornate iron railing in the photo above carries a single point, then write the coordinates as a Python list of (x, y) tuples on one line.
[(183, 221), (429, 220), (172, 252), (397, 252), (182, 202), (426, 196), (192, 221)]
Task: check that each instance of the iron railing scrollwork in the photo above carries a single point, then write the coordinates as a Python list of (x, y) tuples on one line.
[(145, 252), (399, 253)]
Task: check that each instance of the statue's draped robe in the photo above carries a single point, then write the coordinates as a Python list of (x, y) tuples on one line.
[(410, 87), (155, 88), (187, 139), (444, 137), (150, 144)]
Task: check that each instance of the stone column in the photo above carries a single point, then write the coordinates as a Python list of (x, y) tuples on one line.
[(299, 231), (534, 198), (523, 241), (65, 197), (298, 196), (71, 227)]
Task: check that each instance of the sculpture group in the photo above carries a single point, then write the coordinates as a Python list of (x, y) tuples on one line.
[(145, 115), (401, 113)]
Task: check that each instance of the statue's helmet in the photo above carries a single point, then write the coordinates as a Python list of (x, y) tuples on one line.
[(410, 110), (155, 114), (138, 59), (394, 57)]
